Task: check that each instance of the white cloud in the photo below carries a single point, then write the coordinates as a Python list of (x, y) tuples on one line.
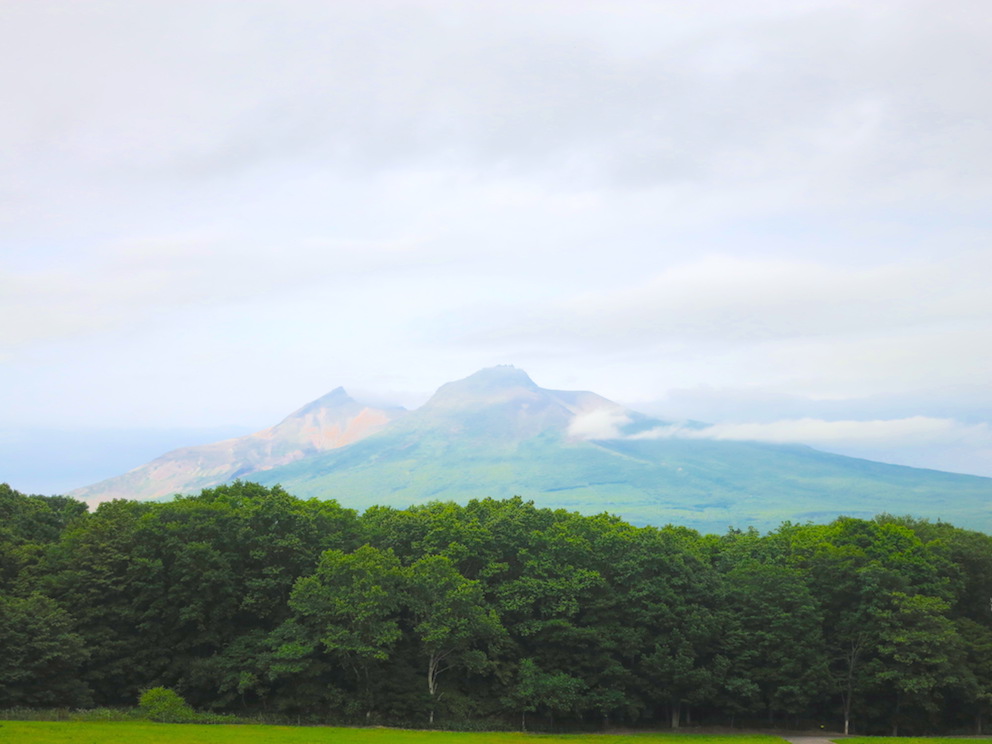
[(911, 431), (599, 423), (919, 441)]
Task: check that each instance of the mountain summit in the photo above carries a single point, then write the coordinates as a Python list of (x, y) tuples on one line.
[(498, 434), (487, 386), (503, 402)]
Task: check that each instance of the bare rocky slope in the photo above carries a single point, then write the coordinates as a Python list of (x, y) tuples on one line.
[(335, 420)]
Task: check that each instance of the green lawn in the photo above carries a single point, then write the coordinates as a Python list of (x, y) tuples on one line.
[(904, 740), (45, 732)]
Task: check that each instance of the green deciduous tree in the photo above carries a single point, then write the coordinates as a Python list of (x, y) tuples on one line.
[(41, 654), (783, 651), (536, 690), (351, 607), (977, 644), (919, 652), (452, 622)]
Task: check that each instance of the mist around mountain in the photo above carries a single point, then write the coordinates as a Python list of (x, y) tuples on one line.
[(332, 421), (47, 460), (498, 434)]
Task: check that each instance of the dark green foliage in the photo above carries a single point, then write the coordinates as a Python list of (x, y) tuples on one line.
[(40, 655), (247, 599), (534, 689), (778, 627), (920, 654), (349, 612), (38, 519), (27, 524)]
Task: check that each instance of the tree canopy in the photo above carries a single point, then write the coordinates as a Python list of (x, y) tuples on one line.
[(244, 598)]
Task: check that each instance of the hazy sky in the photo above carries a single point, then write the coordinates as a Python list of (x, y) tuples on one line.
[(769, 215)]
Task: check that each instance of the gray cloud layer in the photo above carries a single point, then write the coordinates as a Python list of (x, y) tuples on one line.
[(816, 97), (770, 198)]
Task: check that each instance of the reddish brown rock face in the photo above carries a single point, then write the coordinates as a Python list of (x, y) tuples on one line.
[(330, 422)]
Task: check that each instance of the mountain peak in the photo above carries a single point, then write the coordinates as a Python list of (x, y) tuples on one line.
[(489, 385), (334, 399), (502, 375)]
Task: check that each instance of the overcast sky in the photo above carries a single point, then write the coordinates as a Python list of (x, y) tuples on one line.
[(773, 216)]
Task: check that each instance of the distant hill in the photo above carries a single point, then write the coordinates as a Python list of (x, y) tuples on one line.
[(333, 421), (496, 433)]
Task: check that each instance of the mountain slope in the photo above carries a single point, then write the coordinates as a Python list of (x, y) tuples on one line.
[(333, 421), (497, 434)]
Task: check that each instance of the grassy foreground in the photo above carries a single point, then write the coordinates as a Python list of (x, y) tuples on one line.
[(905, 740), (73, 732)]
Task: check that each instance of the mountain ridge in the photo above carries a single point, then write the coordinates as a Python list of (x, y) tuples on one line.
[(498, 434), (331, 421)]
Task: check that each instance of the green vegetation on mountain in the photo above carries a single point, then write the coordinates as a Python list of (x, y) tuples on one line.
[(496, 434), (704, 484), (496, 613)]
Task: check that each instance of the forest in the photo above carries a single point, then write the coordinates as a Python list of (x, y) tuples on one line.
[(492, 614)]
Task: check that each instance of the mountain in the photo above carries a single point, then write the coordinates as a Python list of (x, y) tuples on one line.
[(498, 434), (333, 421)]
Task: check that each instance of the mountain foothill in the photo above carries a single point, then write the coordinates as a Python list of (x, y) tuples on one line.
[(497, 434)]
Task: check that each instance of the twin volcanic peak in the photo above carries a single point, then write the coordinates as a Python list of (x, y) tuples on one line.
[(498, 434), (499, 402)]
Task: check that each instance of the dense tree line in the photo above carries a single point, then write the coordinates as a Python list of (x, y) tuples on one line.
[(244, 598)]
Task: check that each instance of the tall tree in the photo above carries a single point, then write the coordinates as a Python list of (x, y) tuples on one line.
[(785, 651), (41, 655), (919, 653), (351, 606), (452, 622), (536, 690), (977, 641)]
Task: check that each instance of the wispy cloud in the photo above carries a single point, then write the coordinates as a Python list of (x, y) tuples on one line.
[(912, 431), (130, 282), (941, 443), (725, 298)]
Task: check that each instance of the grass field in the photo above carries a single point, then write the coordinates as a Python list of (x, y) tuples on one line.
[(45, 732), (907, 739)]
